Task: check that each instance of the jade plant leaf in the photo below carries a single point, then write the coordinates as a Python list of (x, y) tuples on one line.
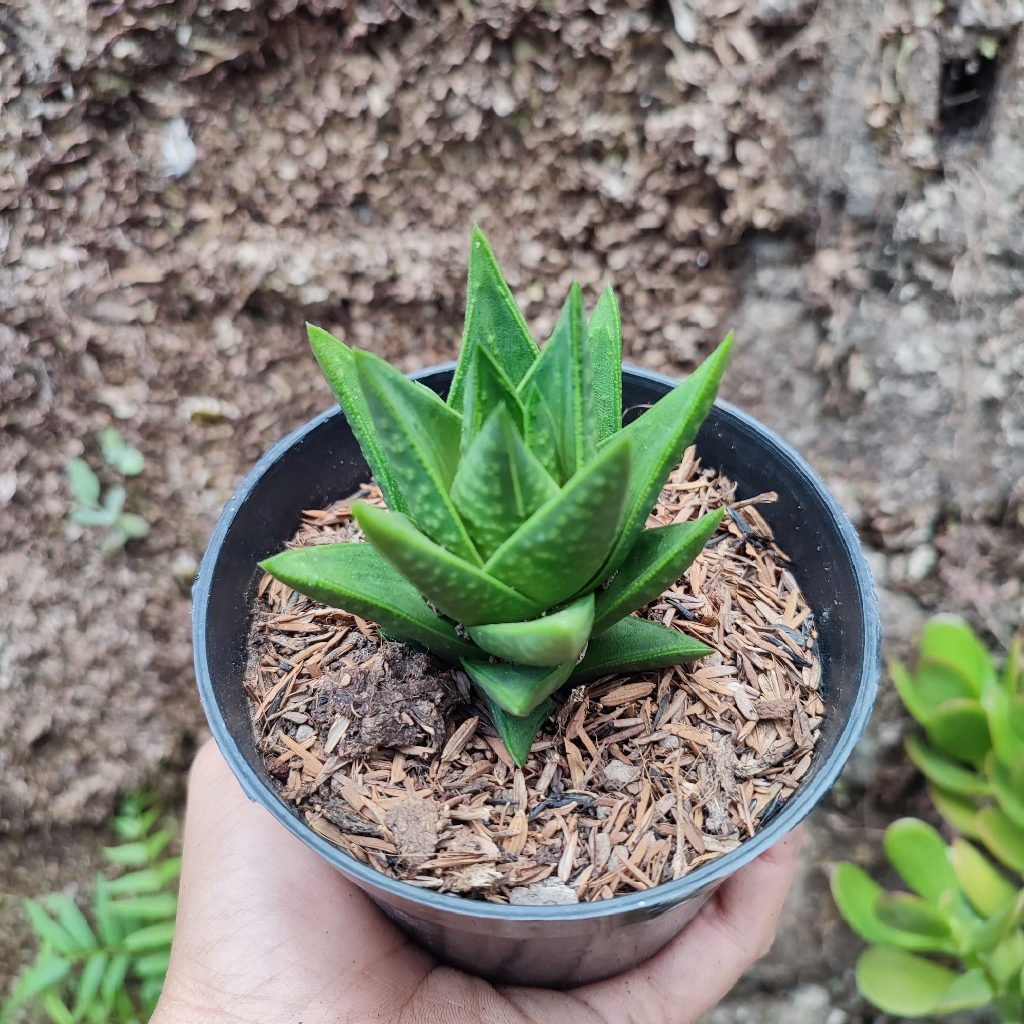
[(1003, 838), (500, 484), (907, 985), (937, 683), (906, 687), (657, 441), (558, 548), (493, 321), (517, 732), (1011, 677), (1005, 961), (856, 894), (912, 914), (942, 771), (551, 640), (921, 857), (564, 377), (635, 645), (458, 588), (357, 578), (658, 558), (338, 366), (85, 484), (950, 642), (960, 728), (420, 435), (986, 889), (519, 689), (487, 387), (957, 808), (1001, 712), (1008, 798), (605, 335)]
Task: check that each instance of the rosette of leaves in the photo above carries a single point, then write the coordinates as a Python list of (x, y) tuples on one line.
[(967, 902), (111, 969), (515, 540)]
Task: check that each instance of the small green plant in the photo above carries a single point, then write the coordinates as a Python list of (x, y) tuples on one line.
[(113, 969), (515, 541), (963, 907), (85, 485)]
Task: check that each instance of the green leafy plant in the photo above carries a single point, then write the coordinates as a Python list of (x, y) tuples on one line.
[(515, 541), (964, 907), (113, 968), (85, 485)]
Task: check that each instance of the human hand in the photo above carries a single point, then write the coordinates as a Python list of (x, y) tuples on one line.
[(269, 931)]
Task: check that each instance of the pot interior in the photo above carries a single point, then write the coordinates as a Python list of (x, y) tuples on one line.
[(321, 463)]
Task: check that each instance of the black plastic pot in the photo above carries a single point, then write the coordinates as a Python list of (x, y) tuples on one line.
[(551, 946)]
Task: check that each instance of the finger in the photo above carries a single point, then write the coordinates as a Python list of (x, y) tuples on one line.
[(697, 968), (260, 911)]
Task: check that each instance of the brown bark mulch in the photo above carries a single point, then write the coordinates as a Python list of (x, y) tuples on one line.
[(636, 780)]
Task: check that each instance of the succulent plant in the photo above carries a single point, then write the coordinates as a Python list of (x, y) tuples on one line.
[(963, 905), (514, 541)]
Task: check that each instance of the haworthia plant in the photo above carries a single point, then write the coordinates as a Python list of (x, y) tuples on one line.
[(965, 904), (514, 541)]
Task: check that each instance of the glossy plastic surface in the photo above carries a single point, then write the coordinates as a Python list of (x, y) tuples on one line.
[(551, 946)]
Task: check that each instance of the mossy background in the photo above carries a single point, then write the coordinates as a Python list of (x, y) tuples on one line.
[(800, 171)]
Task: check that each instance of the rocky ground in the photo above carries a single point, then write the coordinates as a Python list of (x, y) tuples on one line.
[(183, 183)]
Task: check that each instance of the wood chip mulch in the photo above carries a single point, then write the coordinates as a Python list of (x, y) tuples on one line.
[(637, 780)]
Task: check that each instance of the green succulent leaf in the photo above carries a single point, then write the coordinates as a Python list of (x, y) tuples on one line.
[(152, 906), (541, 432), (519, 689), (357, 578), (636, 645), (957, 808), (1004, 839), (551, 640), (500, 484), (912, 914), (944, 772), (518, 732), (907, 985), (986, 889), (132, 526), (1001, 708), (605, 334), (493, 321), (988, 934), (1011, 677), (84, 483), (114, 977), (1004, 963), (906, 687), (123, 457), (468, 594), (109, 927), (487, 388), (948, 641), (153, 965), (564, 376), (420, 435), (658, 558), (657, 440), (1008, 798), (558, 548), (856, 894), (960, 728), (921, 858), (56, 1009), (338, 365)]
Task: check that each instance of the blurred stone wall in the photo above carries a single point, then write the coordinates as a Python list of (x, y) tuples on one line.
[(183, 183)]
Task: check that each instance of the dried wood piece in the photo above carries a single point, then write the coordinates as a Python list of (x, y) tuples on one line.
[(459, 739)]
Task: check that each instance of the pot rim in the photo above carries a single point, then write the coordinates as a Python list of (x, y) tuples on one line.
[(792, 813)]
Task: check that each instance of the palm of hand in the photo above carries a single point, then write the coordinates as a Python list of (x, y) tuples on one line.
[(268, 931)]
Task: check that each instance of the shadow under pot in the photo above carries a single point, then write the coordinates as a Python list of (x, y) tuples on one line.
[(551, 946)]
